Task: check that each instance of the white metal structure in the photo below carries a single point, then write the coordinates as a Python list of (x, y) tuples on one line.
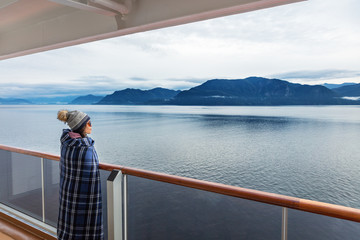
[(114, 186), (30, 26)]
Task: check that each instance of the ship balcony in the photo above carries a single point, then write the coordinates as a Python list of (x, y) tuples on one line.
[(139, 204)]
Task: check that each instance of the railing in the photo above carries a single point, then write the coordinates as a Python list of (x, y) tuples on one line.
[(151, 205)]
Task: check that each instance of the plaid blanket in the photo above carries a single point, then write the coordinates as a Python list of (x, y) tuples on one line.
[(80, 208)]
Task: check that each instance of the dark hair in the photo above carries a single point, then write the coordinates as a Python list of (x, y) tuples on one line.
[(82, 131)]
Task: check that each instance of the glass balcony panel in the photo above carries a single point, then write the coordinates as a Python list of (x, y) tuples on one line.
[(5, 161), (310, 226), (21, 183), (158, 210), (51, 190), (104, 176)]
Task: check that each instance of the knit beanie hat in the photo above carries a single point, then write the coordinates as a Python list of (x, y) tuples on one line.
[(75, 119)]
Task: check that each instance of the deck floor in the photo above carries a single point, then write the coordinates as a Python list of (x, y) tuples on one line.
[(5, 237), (9, 231)]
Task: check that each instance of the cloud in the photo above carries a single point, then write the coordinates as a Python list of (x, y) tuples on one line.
[(318, 75), (189, 80), (139, 79), (97, 85)]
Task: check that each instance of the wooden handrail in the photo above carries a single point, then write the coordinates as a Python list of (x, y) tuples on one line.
[(326, 209), (31, 153)]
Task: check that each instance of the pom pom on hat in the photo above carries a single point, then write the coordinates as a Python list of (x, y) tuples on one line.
[(62, 115)]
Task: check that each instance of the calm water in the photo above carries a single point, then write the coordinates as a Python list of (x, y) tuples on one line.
[(309, 152)]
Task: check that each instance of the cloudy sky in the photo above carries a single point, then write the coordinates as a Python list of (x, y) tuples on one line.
[(310, 42)]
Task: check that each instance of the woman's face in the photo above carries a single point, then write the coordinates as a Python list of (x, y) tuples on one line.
[(88, 128)]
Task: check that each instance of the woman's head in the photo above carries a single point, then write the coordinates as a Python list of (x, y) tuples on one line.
[(78, 121)]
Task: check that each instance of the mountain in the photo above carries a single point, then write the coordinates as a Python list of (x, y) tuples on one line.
[(332, 86), (86, 100), (13, 101), (52, 100), (137, 96), (348, 91), (256, 91)]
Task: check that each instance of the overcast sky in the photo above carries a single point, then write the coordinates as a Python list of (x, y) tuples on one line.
[(310, 42)]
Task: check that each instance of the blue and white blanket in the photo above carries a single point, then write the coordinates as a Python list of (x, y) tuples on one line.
[(80, 208)]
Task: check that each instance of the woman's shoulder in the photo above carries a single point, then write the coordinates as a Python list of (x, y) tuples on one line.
[(70, 138), (88, 141)]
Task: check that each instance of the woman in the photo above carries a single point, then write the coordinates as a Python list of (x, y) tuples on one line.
[(80, 208)]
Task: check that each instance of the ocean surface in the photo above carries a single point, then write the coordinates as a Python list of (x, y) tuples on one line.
[(309, 152)]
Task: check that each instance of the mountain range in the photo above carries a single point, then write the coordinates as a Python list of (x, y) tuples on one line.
[(256, 91), (332, 86), (348, 91), (87, 100), (248, 91), (136, 96), (13, 101)]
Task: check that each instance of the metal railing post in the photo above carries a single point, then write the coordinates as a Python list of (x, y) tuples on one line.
[(284, 227), (114, 204), (42, 189), (125, 193)]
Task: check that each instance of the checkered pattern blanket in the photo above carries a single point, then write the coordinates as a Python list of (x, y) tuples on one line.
[(80, 208)]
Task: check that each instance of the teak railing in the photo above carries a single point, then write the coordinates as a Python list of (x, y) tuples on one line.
[(326, 209)]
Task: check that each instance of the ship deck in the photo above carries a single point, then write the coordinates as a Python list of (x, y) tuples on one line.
[(13, 229)]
